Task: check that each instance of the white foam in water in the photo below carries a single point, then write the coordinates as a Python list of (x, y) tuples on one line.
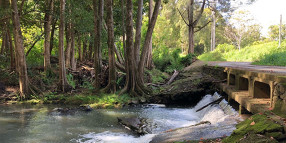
[(219, 115), (110, 137)]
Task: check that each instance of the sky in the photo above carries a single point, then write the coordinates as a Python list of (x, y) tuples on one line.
[(267, 12)]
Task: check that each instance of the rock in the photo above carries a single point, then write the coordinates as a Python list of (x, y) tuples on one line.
[(282, 89), (139, 126), (142, 100), (257, 138), (283, 96), (71, 111), (86, 108)]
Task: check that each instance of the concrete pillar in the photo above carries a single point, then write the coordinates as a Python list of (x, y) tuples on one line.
[(271, 84), (241, 110), (251, 86)]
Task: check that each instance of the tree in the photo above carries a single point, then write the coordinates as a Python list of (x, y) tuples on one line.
[(63, 84), (98, 16), (138, 31), (47, 31), (238, 28), (111, 56), (21, 59), (273, 32), (149, 61), (134, 75)]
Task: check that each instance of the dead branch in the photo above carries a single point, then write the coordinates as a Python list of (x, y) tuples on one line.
[(212, 103), (175, 74)]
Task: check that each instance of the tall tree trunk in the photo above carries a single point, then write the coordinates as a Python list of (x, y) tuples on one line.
[(97, 67), (68, 48), (129, 54), (23, 76), (79, 48), (138, 31), (84, 50), (111, 55), (213, 30), (147, 42), (12, 52), (99, 30), (72, 59), (62, 70), (3, 41), (149, 61), (191, 27), (47, 31), (90, 46), (54, 22), (192, 23)]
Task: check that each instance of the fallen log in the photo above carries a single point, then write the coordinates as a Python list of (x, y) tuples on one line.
[(175, 74), (200, 123), (212, 103)]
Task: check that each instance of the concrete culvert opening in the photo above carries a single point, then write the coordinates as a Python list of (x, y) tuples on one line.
[(261, 90), (224, 75), (243, 83), (231, 79)]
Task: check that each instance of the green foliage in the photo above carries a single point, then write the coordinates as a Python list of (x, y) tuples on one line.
[(95, 101), (256, 124), (157, 76), (260, 53), (169, 61), (71, 81)]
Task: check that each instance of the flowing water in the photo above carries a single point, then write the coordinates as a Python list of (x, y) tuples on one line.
[(20, 123)]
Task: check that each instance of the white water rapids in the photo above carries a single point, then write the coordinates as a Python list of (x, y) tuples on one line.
[(222, 118)]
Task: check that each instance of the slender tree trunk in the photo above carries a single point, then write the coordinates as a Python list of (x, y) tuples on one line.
[(23, 76), (68, 49), (72, 59), (147, 42), (62, 70), (90, 46), (3, 41), (213, 31), (79, 48), (99, 30), (12, 52), (54, 22), (111, 60), (149, 61), (138, 31), (192, 24), (97, 67), (84, 50), (191, 27), (47, 31)]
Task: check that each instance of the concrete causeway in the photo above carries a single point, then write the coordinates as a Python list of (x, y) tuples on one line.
[(255, 88)]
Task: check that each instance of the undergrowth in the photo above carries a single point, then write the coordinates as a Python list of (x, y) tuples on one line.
[(259, 53)]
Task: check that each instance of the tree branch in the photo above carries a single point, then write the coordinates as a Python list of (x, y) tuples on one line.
[(32, 46), (183, 17), (200, 28), (200, 14)]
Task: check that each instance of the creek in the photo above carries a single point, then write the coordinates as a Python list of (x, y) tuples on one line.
[(40, 123)]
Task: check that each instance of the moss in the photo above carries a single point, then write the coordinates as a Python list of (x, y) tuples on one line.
[(158, 76), (262, 125), (280, 108), (32, 101)]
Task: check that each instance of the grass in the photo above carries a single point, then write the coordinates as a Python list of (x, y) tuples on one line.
[(266, 53), (95, 101)]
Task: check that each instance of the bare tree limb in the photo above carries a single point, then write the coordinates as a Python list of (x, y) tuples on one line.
[(200, 28), (183, 17), (32, 46), (200, 14)]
